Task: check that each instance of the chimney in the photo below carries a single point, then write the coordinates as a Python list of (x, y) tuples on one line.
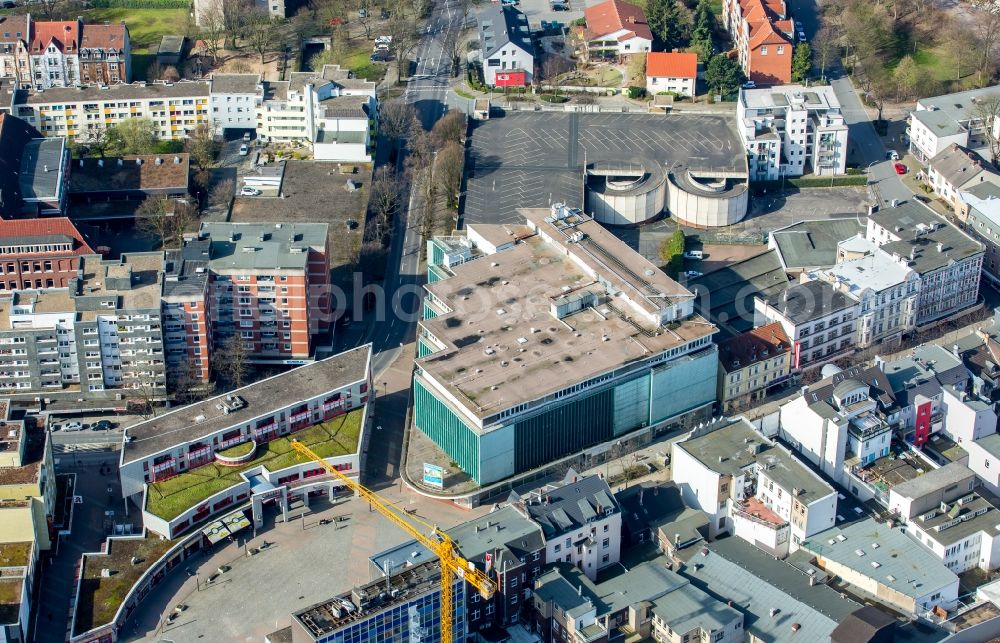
[(45, 167), (138, 161), (940, 247), (121, 162), (579, 589), (677, 541), (177, 160), (81, 162), (100, 162), (159, 161)]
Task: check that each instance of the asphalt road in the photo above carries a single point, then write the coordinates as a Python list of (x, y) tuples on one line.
[(428, 92)]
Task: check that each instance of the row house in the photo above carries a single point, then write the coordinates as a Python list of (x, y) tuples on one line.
[(948, 261), (40, 253), (84, 113), (752, 364), (940, 121), (15, 42), (98, 338), (764, 38), (957, 170)]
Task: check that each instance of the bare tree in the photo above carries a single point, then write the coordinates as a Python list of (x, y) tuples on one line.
[(448, 171), (451, 49), (221, 193), (986, 112), (449, 129), (958, 49), (259, 32), (395, 119), (232, 362), (384, 199), (986, 29), (185, 215), (404, 38), (213, 31), (366, 18), (824, 45), (232, 19), (152, 218), (202, 146)]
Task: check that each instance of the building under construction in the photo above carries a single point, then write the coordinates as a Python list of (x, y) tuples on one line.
[(404, 607)]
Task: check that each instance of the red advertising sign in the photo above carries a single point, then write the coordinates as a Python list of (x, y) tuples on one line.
[(510, 79), (796, 355)]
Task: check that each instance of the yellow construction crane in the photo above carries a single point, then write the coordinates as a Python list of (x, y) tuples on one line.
[(435, 540)]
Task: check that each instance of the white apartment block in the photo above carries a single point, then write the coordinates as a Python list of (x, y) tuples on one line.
[(842, 422), (886, 291), (948, 261), (984, 460), (332, 112), (940, 121), (751, 487), (233, 100), (792, 130), (84, 113)]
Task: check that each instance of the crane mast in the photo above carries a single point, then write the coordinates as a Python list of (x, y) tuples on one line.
[(438, 542)]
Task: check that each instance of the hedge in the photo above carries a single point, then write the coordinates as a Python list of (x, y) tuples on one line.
[(814, 182), (139, 4)]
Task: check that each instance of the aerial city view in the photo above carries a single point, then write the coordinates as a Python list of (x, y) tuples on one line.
[(489, 321)]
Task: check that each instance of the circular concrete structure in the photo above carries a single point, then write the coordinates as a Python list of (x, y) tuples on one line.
[(706, 200), (624, 193)]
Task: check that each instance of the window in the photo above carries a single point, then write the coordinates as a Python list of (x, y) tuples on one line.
[(781, 50), (606, 543), (763, 51)]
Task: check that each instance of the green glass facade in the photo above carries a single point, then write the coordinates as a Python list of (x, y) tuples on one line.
[(447, 431), (564, 429)]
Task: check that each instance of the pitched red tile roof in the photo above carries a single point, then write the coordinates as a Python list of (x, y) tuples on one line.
[(11, 26), (748, 348), (65, 34), (614, 15), (103, 37), (766, 34), (18, 228), (664, 64)]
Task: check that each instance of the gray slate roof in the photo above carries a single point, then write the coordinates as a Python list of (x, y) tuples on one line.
[(571, 506), (933, 480), (802, 303), (958, 166), (121, 92), (914, 571), (923, 372), (733, 288), (732, 569), (499, 25), (274, 251), (41, 168), (955, 244), (235, 83), (809, 244)]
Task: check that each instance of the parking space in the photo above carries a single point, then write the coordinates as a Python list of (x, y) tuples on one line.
[(538, 11)]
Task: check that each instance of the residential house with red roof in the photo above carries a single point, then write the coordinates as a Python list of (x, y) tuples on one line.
[(55, 54), (105, 55), (40, 253), (668, 71), (15, 39), (616, 29), (764, 36), (751, 364)]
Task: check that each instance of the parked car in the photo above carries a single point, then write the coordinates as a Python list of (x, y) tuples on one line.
[(921, 198), (72, 426), (383, 48), (900, 168), (363, 13), (9, 4), (697, 255), (102, 425), (378, 58), (246, 137), (383, 40), (247, 190), (892, 155), (560, 7), (384, 14), (244, 149), (692, 274), (749, 85), (802, 35)]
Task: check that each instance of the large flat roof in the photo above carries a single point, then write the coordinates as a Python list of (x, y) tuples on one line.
[(886, 555), (41, 168), (134, 91), (503, 346), (877, 271), (934, 480), (810, 244), (184, 425), (534, 159)]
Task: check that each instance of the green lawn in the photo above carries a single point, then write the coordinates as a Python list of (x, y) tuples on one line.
[(145, 28), (358, 60), (101, 597), (170, 498)]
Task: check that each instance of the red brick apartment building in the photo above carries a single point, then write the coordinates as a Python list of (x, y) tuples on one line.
[(105, 55), (764, 38), (267, 284), (39, 253)]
